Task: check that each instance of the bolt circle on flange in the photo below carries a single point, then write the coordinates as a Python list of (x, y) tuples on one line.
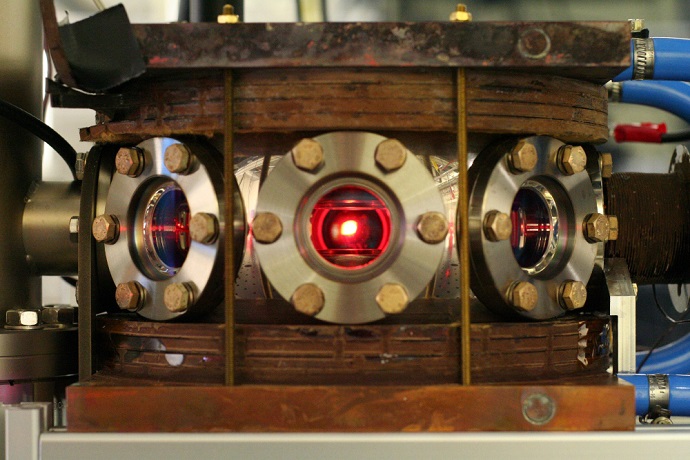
[(497, 226), (571, 159), (432, 227), (573, 295), (523, 158), (392, 298), (105, 229), (596, 228), (178, 297), (129, 161), (204, 228), (178, 158), (390, 155), (523, 296), (267, 227), (307, 155), (308, 299), (130, 295)]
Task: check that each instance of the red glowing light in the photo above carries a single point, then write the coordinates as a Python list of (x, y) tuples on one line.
[(348, 228)]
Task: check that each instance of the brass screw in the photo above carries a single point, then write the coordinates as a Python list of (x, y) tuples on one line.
[(573, 295), (390, 155), (392, 298), (228, 16), (129, 161), (596, 228), (203, 228), (460, 14), (523, 158), (497, 226), (178, 159), (105, 229), (613, 228), (523, 296), (308, 299), (307, 155), (432, 227), (606, 165), (177, 297), (636, 25), (267, 227), (571, 159), (130, 295)]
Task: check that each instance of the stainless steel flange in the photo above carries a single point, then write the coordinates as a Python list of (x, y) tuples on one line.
[(291, 200), (545, 246)]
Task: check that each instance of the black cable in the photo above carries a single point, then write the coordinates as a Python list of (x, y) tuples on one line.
[(678, 136), (42, 131)]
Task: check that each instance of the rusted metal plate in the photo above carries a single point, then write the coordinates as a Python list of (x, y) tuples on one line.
[(607, 406)]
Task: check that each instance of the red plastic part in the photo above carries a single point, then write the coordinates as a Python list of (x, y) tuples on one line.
[(640, 132)]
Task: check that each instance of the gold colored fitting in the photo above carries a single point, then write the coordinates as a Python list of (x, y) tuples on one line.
[(460, 14), (228, 16)]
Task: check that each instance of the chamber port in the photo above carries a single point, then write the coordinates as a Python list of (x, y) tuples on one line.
[(532, 234)]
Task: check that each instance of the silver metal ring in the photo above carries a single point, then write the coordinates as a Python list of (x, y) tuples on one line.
[(659, 392), (643, 58)]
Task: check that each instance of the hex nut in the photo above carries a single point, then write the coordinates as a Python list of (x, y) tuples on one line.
[(178, 159), (523, 158), (204, 228), (129, 161), (105, 229), (497, 226), (58, 315), (390, 155), (606, 165), (432, 227), (308, 299), (596, 228), (267, 227), (22, 318), (523, 296), (573, 295), (571, 159), (177, 297), (130, 295), (613, 228), (307, 155), (460, 14), (392, 298), (228, 16)]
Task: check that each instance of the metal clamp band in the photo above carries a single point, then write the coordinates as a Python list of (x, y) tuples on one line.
[(643, 59), (659, 392)]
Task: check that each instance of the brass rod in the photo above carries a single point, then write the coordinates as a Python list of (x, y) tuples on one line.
[(229, 234)]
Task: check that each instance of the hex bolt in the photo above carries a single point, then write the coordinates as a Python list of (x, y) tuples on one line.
[(432, 227), (130, 296), (497, 226), (571, 159), (267, 227), (390, 155), (178, 159), (228, 16), (460, 14), (307, 155), (523, 296), (178, 297), (308, 299), (596, 228), (129, 161), (613, 228), (636, 25), (606, 165), (523, 158), (22, 318), (105, 229), (392, 298), (204, 228), (573, 295), (58, 315)]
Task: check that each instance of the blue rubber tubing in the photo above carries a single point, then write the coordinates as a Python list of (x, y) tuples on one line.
[(673, 358), (671, 60), (679, 393), (671, 96)]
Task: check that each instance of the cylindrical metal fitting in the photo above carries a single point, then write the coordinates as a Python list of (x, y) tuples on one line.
[(392, 298), (267, 227), (130, 295), (178, 159), (390, 155), (432, 227), (613, 228), (178, 297), (204, 228), (307, 155), (523, 158), (308, 299), (129, 161), (573, 295), (497, 226), (523, 296), (105, 229), (596, 228), (571, 159)]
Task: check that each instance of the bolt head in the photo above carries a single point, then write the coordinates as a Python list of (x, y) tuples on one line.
[(497, 226), (129, 296), (524, 296), (58, 315), (308, 299), (392, 298), (177, 297), (21, 318), (613, 228), (606, 165), (596, 228), (636, 25), (432, 227), (267, 227), (460, 14), (129, 161), (523, 158), (390, 155), (105, 229), (573, 295), (178, 158), (571, 159), (307, 155), (204, 228)]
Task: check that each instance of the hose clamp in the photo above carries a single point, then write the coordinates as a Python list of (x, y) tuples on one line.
[(659, 392), (643, 58), (615, 89)]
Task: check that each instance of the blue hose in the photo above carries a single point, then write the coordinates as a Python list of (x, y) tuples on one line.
[(671, 60), (679, 396), (673, 358), (672, 96)]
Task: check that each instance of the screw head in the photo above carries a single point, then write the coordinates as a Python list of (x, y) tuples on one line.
[(613, 228), (129, 161), (267, 227), (460, 14), (571, 159), (177, 297), (497, 226), (105, 229), (606, 165), (523, 158), (538, 408), (307, 155), (204, 228), (573, 295), (390, 155), (178, 159), (308, 299), (432, 227), (130, 295), (596, 228), (392, 298), (523, 296), (22, 319)]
